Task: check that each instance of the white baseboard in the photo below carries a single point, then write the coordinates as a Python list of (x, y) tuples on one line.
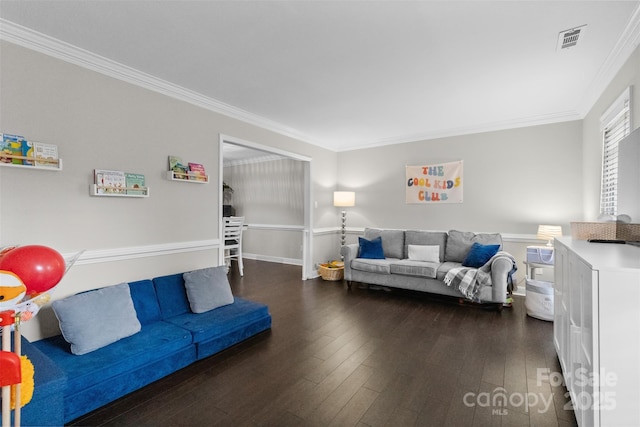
[(279, 260)]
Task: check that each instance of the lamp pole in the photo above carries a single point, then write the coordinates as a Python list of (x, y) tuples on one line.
[(344, 227), (343, 199)]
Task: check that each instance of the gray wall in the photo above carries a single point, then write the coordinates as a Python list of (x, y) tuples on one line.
[(268, 192), (513, 181)]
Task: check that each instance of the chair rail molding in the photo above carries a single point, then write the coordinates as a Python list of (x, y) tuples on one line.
[(94, 256)]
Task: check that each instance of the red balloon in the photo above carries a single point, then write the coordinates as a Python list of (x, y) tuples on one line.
[(5, 250), (39, 267)]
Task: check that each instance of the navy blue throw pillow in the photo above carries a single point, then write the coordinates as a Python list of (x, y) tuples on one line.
[(371, 249), (479, 254)]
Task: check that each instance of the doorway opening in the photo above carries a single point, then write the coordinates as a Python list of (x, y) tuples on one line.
[(243, 151)]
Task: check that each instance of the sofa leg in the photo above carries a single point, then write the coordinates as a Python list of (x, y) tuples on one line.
[(349, 284)]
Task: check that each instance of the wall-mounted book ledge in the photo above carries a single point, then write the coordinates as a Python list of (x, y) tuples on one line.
[(25, 162), (112, 191), (110, 183), (191, 177), (17, 151)]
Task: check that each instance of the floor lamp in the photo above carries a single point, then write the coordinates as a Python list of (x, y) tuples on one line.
[(344, 199)]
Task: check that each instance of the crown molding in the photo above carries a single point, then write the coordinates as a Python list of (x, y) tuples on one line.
[(468, 130), (34, 40), (624, 48)]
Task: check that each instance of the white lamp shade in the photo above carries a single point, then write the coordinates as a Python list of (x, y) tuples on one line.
[(549, 232), (344, 198)]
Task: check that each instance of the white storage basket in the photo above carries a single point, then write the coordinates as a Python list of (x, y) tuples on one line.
[(539, 299), (540, 254)]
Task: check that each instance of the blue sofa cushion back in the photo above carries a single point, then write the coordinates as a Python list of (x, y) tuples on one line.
[(145, 301), (172, 295)]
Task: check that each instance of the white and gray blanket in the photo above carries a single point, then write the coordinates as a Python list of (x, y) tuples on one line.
[(469, 280)]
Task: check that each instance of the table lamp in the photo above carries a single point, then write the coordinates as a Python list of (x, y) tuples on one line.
[(549, 232)]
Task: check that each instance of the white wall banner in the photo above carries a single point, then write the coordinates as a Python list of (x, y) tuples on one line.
[(439, 183)]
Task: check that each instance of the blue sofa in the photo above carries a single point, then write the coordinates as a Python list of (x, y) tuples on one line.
[(171, 337)]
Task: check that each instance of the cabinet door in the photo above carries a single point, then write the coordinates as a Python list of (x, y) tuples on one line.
[(573, 362), (560, 305), (585, 359)]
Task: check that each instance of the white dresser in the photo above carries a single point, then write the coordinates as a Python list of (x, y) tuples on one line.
[(597, 329)]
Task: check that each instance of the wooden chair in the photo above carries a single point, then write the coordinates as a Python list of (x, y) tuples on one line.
[(232, 232)]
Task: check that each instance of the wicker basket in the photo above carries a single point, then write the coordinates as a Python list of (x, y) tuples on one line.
[(605, 230), (331, 274)]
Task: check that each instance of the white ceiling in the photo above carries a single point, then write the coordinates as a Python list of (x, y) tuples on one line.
[(349, 74)]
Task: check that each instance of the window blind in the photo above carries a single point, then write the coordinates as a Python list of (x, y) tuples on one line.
[(614, 131)]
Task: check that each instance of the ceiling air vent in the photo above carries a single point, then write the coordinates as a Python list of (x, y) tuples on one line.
[(569, 38)]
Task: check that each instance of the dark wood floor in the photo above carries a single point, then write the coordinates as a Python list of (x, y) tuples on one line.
[(338, 357)]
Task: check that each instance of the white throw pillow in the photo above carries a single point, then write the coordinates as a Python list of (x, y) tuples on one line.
[(424, 253)]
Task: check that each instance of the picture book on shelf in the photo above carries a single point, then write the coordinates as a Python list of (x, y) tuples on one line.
[(197, 172), (135, 183), (46, 154), (110, 182), (11, 145), (178, 168), (27, 151)]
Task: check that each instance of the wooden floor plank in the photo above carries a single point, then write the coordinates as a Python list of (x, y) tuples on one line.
[(352, 412)]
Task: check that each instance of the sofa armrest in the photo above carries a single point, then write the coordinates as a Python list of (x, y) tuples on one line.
[(349, 252), (500, 269), (47, 403)]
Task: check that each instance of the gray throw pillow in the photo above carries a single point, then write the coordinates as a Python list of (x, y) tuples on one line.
[(208, 288), (94, 319), (392, 241), (459, 243)]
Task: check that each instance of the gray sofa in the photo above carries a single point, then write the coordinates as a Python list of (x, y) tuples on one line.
[(396, 270)]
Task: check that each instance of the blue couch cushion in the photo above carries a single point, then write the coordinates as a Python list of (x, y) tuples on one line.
[(80, 402), (47, 404), (215, 345), (479, 255), (154, 342), (172, 295), (145, 301), (370, 249), (222, 320)]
